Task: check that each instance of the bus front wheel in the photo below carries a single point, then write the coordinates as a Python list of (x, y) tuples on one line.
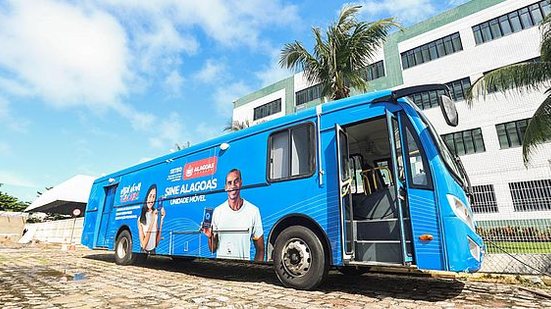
[(123, 249), (299, 258)]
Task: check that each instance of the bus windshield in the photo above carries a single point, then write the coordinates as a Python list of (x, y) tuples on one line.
[(451, 160)]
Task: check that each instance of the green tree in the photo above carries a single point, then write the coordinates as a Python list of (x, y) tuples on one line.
[(338, 57), (233, 126), (11, 203), (522, 77)]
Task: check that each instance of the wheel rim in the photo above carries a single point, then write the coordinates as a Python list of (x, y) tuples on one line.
[(122, 247), (296, 257)]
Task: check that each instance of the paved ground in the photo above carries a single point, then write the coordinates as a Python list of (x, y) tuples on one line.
[(46, 277)]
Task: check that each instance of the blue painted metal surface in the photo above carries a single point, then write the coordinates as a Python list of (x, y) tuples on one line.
[(185, 199)]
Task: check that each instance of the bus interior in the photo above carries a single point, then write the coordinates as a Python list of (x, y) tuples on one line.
[(372, 223)]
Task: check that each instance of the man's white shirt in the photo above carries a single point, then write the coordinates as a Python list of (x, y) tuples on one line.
[(235, 229)]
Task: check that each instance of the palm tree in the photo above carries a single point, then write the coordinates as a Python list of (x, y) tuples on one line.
[(337, 59), (233, 126), (522, 77)]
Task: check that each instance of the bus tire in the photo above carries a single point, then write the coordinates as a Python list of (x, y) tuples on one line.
[(123, 249), (299, 258)]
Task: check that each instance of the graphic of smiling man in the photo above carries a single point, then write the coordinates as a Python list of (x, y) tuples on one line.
[(235, 223)]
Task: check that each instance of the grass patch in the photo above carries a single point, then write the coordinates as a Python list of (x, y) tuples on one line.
[(518, 247)]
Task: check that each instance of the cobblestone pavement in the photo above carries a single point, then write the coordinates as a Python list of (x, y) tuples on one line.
[(46, 277)]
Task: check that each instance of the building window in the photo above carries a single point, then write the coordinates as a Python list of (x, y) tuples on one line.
[(309, 94), (291, 153), (465, 142), (373, 71), (267, 109), (533, 195), (516, 21), (458, 88), (433, 50), (429, 99), (510, 134), (484, 199)]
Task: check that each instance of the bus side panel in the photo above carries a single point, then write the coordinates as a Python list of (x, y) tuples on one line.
[(90, 218), (424, 220), (424, 211), (278, 199), (331, 186)]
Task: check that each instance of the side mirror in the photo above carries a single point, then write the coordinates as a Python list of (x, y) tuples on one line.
[(449, 110)]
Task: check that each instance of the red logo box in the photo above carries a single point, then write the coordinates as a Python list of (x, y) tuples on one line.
[(200, 168)]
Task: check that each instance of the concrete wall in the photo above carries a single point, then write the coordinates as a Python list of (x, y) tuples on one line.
[(55, 231), (12, 225)]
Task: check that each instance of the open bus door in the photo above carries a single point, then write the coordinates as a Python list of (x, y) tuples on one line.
[(345, 193), (398, 171)]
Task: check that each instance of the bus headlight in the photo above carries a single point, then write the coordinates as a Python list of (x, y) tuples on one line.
[(461, 211), (474, 249)]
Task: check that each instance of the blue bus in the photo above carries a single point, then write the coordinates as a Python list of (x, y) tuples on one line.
[(355, 183)]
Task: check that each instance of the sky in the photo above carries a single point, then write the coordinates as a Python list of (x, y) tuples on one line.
[(94, 86)]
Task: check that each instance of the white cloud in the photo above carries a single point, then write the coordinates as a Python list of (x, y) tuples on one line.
[(96, 53), (174, 82), (226, 94), (211, 71), (228, 22), (14, 87), (140, 120), (65, 54), (10, 121), (273, 72), (408, 11), (157, 45), (174, 129)]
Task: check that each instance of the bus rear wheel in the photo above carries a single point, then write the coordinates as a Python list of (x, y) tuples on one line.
[(123, 249), (299, 258)]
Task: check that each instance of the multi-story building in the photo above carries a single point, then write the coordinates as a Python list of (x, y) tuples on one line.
[(457, 47)]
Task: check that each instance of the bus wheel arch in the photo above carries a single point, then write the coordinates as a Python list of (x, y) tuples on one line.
[(123, 247), (302, 220), (300, 252)]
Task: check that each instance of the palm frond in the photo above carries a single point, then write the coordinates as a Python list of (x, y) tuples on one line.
[(366, 39), (233, 126), (538, 130), (295, 56), (338, 54), (517, 77), (347, 18)]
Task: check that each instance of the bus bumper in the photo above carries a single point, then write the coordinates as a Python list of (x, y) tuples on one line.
[(465, 248)]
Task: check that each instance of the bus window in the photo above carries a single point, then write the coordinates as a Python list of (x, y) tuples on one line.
[(279, 155), (292, 153), (418, 167)]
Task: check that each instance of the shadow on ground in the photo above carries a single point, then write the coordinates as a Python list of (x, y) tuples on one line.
[(374, 285)]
